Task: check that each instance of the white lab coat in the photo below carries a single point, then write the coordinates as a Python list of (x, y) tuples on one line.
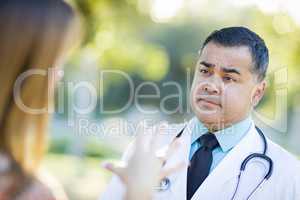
[(284, 183)]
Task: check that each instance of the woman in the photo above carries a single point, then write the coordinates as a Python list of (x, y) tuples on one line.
[(34, 34)]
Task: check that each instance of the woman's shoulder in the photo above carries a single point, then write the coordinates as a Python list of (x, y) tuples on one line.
[(36, 190), (16, 185), (43, 186)]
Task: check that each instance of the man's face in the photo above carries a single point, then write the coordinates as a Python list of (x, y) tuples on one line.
[(224, 88)]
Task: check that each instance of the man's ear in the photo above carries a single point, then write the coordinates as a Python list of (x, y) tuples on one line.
[(258, 92)]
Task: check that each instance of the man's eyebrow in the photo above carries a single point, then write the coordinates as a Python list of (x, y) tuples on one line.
[(224, 69), (230, 70), (206, 64)]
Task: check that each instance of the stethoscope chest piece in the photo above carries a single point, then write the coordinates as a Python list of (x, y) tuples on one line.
[(164, 185)]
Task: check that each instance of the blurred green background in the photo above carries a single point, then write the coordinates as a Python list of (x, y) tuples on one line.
[(158, 41)]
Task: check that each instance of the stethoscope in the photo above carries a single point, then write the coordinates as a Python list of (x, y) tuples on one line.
[(166, 183)]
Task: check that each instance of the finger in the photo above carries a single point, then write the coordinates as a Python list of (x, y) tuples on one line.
[(157, 135), (154, 138), (161, 156), (118, 170), (172, 148), (166, 152), (167, 172), (141, 138)]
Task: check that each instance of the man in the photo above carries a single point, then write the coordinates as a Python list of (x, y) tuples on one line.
[(228, 84)]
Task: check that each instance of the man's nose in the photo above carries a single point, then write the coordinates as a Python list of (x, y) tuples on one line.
[(211, 88)]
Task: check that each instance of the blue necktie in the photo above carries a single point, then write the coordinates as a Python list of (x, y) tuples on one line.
[(200, 163)]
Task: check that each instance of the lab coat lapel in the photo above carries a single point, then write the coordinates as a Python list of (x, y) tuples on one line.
[(178, 179), (221, 182)]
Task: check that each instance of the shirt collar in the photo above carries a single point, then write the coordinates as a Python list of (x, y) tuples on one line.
[(228, 137)]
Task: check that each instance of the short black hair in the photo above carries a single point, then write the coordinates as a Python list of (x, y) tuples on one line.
[(241, 36)]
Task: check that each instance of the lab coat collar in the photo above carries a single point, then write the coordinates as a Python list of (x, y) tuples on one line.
[(227, 137), (227, 169)]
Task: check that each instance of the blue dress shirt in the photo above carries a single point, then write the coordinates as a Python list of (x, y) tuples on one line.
[(227, 138)]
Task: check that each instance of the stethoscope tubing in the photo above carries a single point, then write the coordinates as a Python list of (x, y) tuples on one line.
[(249, 158), (165, 183)]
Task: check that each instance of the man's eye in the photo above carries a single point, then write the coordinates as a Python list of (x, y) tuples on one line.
[(228, 79), (203, 71)]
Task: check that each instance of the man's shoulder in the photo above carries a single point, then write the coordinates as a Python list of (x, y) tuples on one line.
[(286, 170), (168, 129), (283, 160), (164, 130)]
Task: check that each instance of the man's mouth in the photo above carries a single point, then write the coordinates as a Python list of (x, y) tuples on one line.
[(210, 101)]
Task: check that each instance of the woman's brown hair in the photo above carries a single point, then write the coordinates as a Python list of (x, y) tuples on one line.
[(34, 34)]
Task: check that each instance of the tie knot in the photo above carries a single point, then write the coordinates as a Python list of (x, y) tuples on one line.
[(209, 141)]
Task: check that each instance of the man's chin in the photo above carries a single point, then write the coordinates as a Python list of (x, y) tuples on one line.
[(210, 118), (213, 111)]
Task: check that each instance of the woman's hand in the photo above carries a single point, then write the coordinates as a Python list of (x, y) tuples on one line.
[(144, 169)]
